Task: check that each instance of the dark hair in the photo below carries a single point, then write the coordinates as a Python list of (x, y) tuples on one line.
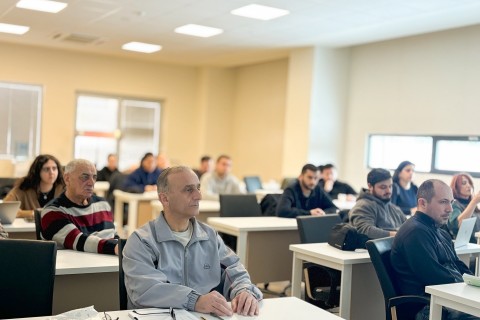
[(427, 189), (327, 166), (32, 179), (148, 154), (223, 156), (310, 167), (376, 175), (399, 169), (205, 158)]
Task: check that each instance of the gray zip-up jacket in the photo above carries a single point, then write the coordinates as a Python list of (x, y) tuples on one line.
[(161, 272), (375, 218)]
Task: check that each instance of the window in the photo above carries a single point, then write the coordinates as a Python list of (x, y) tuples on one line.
[(436, 154), (126, 127), (20, 107)]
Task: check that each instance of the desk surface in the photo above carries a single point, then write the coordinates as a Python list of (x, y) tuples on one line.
[(243, 224), (76, 262), (329, 253), (20, 225), (127, 196), (459, 296), (270, 309)]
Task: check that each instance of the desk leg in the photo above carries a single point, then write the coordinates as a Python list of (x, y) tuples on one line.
[(345, 291), (242, 248), (435, 309), (118, 216), (132, 216), (297, 276)]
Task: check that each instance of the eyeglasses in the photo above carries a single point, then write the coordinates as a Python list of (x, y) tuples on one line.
[(106, 316)]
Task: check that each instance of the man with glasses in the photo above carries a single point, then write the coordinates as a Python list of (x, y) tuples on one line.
[(423, 253), (177, 261), (78, 219), (373, 214)]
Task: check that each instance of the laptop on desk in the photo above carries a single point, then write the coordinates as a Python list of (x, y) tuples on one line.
[(8, 211), (465, 232)]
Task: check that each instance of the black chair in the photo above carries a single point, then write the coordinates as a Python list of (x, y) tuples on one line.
[(269, 203), (252, 183), (122, 290), (37, 214), (28, 274), (396, 306), (239, 205), (321, 283), (286, 182)]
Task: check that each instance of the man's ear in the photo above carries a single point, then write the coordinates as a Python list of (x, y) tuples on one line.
[(162, 196), (421, 203)]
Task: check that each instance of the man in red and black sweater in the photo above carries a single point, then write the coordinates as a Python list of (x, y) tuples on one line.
[(78, 219)]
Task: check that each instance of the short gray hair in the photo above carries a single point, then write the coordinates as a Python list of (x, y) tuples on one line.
[(162, 181), (74, 164), (427, 189)]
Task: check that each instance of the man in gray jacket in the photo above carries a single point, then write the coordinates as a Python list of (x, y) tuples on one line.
[(177, 261), (373, 214)]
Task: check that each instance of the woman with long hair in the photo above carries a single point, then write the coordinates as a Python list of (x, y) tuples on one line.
[(465, 205), (404, 191), (43, 182)]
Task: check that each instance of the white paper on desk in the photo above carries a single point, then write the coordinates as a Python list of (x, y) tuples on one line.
[(159, 313), (88, 313)]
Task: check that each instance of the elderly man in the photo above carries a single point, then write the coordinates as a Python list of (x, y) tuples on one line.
[(220, 181), (177, 261), (305, 197), (78, 219), (423, 253), (373, 214)]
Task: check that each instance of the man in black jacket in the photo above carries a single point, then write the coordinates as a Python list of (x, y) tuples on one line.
[(305, 197), (423, 253)]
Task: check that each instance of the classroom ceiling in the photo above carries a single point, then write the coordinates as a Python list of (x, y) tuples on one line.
[(103, 26)]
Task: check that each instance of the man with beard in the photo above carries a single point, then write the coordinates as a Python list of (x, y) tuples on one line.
[(423, 253), (373, 214), (78, 219), (305, 197)]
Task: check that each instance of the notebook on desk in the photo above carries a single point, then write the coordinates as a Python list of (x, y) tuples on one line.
[(465, 232), (8, 211)]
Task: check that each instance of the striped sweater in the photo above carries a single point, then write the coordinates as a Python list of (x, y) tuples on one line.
[(87, 228)]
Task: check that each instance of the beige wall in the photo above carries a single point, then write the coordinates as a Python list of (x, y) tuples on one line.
[(418, 85)]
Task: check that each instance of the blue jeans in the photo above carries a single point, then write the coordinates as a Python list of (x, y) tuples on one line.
[(447, 314)]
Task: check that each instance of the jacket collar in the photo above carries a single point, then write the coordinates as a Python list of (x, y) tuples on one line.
[(164, 233)]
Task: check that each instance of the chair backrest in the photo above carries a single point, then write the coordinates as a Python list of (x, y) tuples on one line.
[(315, 229), (252, 183), (286, 182), (122, 290), (239, 205), (379, 250), (37, 214), (269, 203), (28, 274)]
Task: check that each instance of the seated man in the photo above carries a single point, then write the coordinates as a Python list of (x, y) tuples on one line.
[(143, 178), (78, 219), (373, 214), (220, 181), (177, 261), (423, 253), (332, 186), (111, 168), (305, 197), (206, 165)]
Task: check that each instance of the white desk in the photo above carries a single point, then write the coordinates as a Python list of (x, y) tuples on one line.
[(101, 187), (261, 193), (83, 279), (207, 208), (262, 244), (458, 296), (133, 200), (270, 309), (21, 229), (343, 205), (359, 286), (359, 283)]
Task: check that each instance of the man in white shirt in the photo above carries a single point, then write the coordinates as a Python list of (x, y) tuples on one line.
[(220, 181)]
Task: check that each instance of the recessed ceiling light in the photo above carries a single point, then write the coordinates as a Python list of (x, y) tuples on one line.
[(256, 11), (13, 28), (198, 30), (141, 47), (42, 5)]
